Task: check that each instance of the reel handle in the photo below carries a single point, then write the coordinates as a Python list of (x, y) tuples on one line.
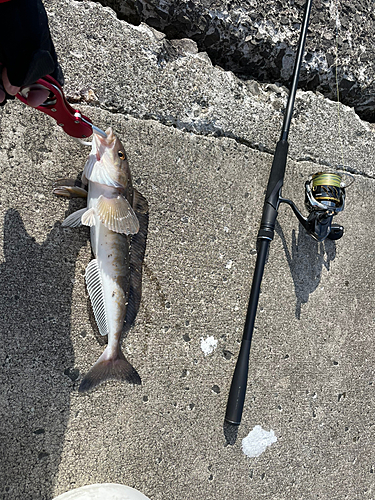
[(336, 232)]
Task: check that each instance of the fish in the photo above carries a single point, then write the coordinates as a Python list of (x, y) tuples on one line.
[(117, 215)]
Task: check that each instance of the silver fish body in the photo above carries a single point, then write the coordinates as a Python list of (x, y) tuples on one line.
[(113, 223), (111, 251)]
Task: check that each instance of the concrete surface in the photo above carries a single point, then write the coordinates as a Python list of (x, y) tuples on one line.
[(312, 361)]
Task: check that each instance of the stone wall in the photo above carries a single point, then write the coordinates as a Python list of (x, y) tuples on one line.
[(258, 39)]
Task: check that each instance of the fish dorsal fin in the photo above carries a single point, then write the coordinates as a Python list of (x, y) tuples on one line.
[(74, 219), (95, 288), (88, 218), (137, 253), (117, 215)]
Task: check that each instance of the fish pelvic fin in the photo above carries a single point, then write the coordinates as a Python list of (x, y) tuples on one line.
[(88, 218), (74, 219), (114, 368)]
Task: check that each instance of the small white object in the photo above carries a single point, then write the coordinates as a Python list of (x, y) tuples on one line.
[(256, 442), (106, 491), (208, 345)]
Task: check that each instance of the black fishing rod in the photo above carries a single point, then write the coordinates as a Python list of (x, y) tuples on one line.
[(324, 197)]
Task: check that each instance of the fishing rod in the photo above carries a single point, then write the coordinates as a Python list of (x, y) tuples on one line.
[(324, 198)]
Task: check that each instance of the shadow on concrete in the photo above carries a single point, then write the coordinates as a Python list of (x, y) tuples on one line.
[(36, 356), (306, 259)]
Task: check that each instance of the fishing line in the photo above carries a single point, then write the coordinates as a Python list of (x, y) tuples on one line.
[(338, 24)]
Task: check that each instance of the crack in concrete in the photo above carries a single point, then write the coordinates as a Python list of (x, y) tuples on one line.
[(215, 132), (221, 134), (340, 168), (354, 171)]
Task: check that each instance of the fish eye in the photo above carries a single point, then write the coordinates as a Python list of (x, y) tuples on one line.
[(122, 155)]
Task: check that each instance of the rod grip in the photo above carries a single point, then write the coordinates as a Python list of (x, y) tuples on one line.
[(237, 391), (277, 173)]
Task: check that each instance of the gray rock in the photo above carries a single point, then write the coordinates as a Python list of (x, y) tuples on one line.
[(258, 40)]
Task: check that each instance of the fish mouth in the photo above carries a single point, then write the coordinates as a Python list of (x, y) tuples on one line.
[(101, 143)]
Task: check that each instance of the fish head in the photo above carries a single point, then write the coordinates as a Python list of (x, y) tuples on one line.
[(107, 163)]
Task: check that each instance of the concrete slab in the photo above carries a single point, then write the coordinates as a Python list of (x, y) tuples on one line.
[(258, 39), (312, 363), (136, 71)]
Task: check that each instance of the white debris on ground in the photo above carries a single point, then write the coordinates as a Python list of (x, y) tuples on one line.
[(255, 443), (208, 345)]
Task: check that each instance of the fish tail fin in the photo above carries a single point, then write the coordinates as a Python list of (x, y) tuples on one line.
[(109, 368)]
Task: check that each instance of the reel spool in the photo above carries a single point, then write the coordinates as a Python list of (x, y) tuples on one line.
[(324, 198), (325, 191)]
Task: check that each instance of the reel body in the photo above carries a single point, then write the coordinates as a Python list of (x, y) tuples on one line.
[(324, 198)]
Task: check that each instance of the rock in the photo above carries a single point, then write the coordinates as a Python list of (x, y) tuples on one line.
[(258, 40)]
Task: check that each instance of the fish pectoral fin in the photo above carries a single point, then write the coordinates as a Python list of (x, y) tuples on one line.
[(74, 219), (88, 218), (117, 215), (95, 288)]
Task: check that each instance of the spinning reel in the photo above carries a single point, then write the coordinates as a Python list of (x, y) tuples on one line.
[(324, 198)]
